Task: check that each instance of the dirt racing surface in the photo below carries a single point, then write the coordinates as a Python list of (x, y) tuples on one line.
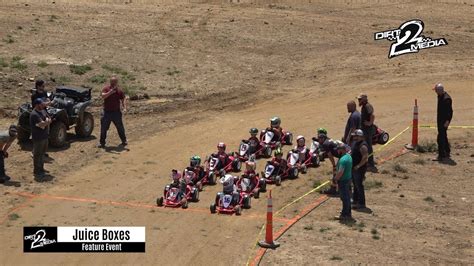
[(206, 72)]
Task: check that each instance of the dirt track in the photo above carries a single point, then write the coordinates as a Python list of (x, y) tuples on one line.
[(296, 68)]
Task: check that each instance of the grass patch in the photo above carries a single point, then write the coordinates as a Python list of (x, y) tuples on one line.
[(17, 64), (399, 168), (3, 63), (13, 217), (427, 146), (308, 227), (149, 162), (98, 79), (130, 90), (317, 183), (374, 231), (376, 237), (52, 18), (419, 161), (385, 172), (63, 79), (370, 184), (171, 71), (324, 229), (79, 69), (429, 199), (42, 64), (361, 225), (335, 258), (119, 71), (8, 39)]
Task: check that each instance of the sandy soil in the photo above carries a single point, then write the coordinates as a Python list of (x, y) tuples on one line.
[(213, 71)]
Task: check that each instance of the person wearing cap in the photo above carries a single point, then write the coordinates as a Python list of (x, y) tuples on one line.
[(6, 140), (359, 154), (353, 122), (444, 116), (367, 125), (39, 123), (328, 148), (114, 103), (343, 179), (39, 92)]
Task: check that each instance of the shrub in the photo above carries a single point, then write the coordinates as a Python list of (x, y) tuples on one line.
[(398, 168), (427, 146), (79, 69), (42, 64)]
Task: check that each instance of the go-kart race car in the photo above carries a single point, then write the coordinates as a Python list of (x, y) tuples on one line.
[(173, 198), (251, 186), (232, 201), (305, 159), (244, 154), (273, 174), (212, 172), (380, 136), (268, 137)]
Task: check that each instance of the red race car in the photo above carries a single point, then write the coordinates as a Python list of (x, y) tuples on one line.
[(174, 197), (245, 153), (218, 168), (303, 159), (380, 136), (251, 185), (230, 201), (274, 173)]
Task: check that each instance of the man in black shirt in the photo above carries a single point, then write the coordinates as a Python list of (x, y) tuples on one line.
[(367, 125), (360, 154), (39, 92), (39, 124), (353, 122), (444, 116)]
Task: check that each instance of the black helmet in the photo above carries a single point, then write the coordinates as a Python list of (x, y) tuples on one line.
[(253, 130)]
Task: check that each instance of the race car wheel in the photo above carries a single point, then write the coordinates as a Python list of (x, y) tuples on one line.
[(315, 161), (289, 138), (256, 194), (213, 208), (238, 210), (195, 197), (384, 138), (236, 165), (211, 179), (159, 201), (263, 185), (268, 152), (304, 169), (277, 180), (246, 202), (294, 172), (185, 204)]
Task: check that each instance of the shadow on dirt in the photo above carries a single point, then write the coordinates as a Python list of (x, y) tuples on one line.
[(448, 161), (72, 138)]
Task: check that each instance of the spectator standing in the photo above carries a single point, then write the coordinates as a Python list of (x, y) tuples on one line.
[(114, 102), (353, 122), (39, 123), (444, 116), (359, 154), (343, 179), (367, 120), (6, 139)]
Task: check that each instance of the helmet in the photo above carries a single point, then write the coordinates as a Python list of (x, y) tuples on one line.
[(227, 181), (253, 130), (278, 152), (322, 130), (195, 161), (250, 165), (300, 137), (275, 121), (221, 145)]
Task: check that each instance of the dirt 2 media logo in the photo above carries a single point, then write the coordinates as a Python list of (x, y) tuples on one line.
[(408, 39)]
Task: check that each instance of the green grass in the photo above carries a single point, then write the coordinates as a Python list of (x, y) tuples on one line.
[(419, 161), (385, 172), (324, 229), (308, 227), (317, 183), (17, 64), (98, 79), (126, 76), (42, 64), (79, 69), (335, 258), (13, 217), (8, 40), (3, 63), (427, 146), (376, 237), (429, 199), (399, 168), (172, 71), (370, 184), (130, 89), (63, 79)]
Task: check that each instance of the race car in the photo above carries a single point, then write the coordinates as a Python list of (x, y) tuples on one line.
[(173, 196), (274, 174), (303, 159), (230, 200), (244, 154), (251, 186), (380, 136), (233, 164)]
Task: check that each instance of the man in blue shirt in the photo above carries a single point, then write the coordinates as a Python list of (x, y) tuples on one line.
[(353, 122)]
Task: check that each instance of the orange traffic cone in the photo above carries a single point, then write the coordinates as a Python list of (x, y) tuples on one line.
[(268, 243)]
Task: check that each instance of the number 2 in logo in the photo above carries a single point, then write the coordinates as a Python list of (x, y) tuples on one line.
[(409, 35), (39, 236)]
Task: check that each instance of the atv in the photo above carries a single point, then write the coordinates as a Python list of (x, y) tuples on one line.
[(68, 110)]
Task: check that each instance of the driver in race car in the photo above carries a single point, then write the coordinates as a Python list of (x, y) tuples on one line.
[(229, 188), (253, 141), (276, 128), (301, 146), (278, 161), (250, 174), (178, 182), (195, 166), (222, 155)]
